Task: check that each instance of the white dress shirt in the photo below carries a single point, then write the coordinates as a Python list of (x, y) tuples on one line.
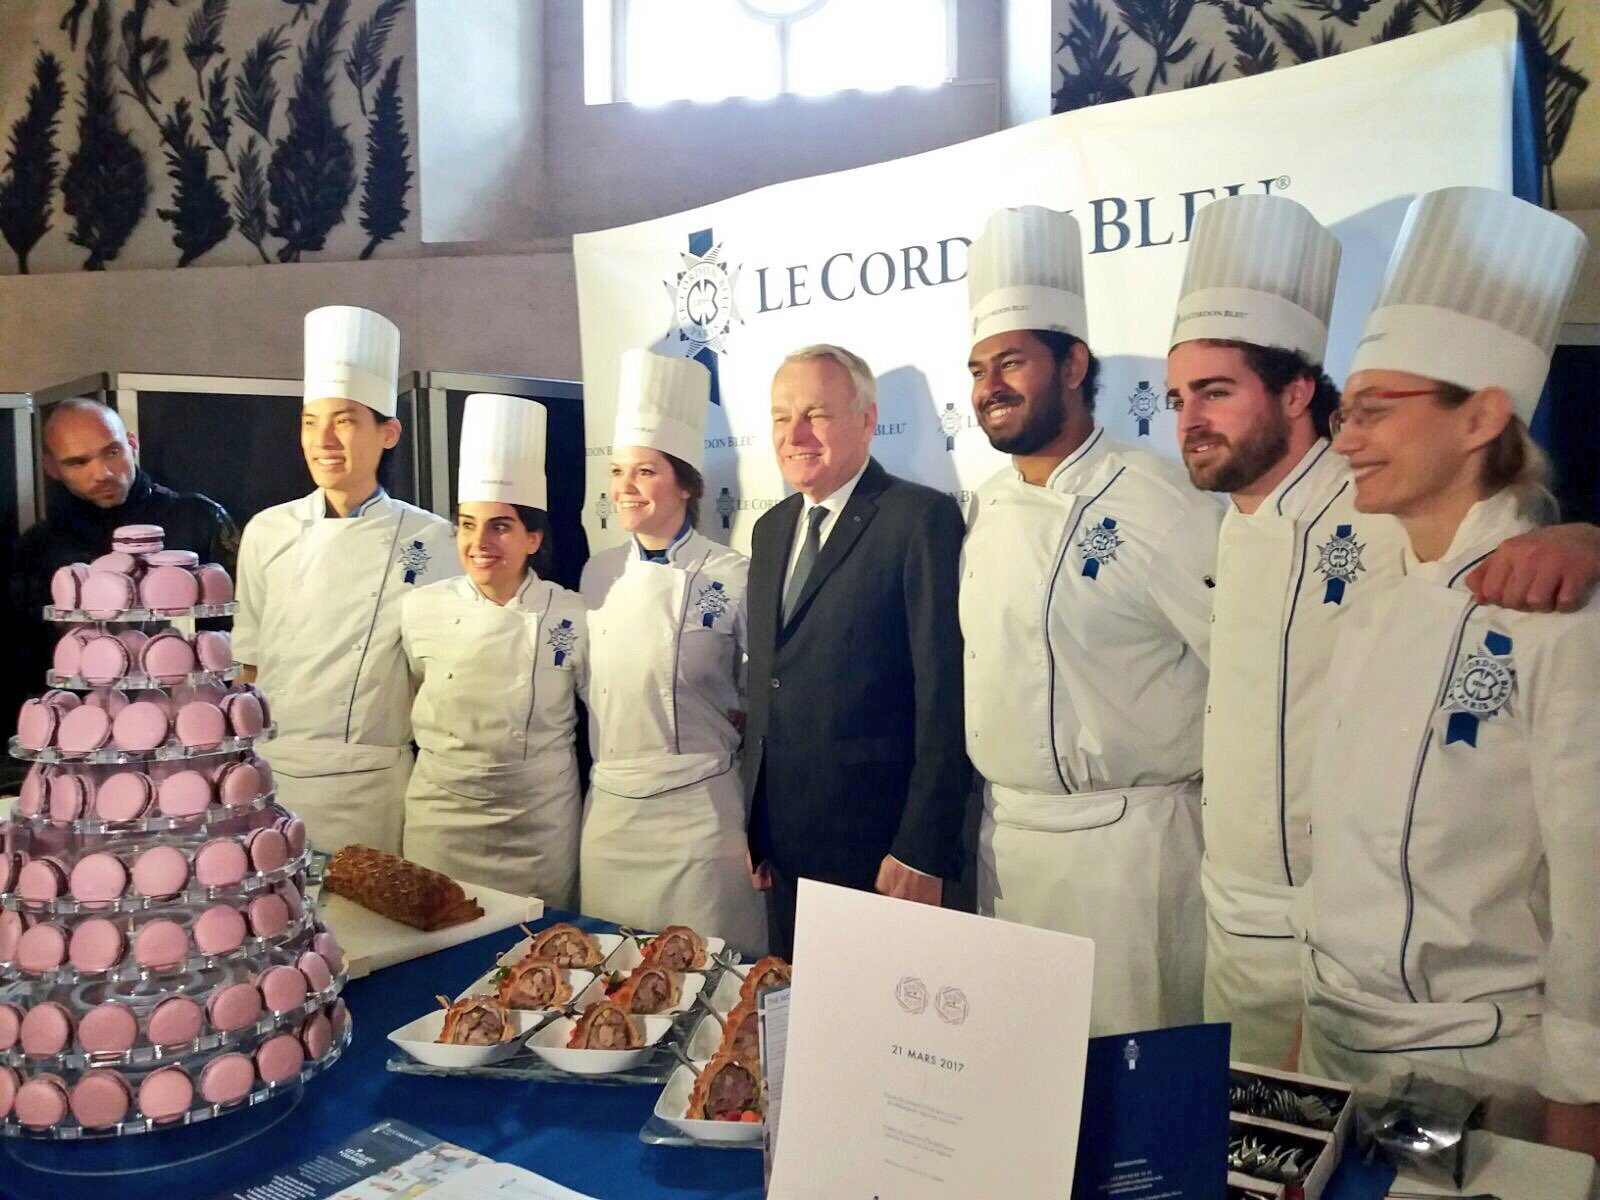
[(834, 504)]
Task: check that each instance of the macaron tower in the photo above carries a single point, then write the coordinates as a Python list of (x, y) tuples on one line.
[(160, 963)]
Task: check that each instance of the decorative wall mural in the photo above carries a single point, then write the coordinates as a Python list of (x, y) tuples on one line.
[(1113, 49), (116, 150)]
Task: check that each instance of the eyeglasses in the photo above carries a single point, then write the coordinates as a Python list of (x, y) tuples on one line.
[(1361, 413)]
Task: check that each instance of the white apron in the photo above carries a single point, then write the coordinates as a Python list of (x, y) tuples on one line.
[(1451, 910), (664, 831), (494, 799), (1085, 613), (319, 616), (1115, 867)]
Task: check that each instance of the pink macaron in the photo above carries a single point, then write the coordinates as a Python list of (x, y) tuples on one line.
[(134, 640), (141, 727), (160, 945), (294, 832), (235, 1007), (214, 649), (169, 590), (37, 723), (42, 948), (108, 1028), (10, 867), (97, 944), (219, 930), (339, 1014), (106, 595), (12, 927), (99, 877), (166, 1094), (46, 1030), (35, 794), (41, 1102), (118, 562), (227, 1079), (215, 585), (327, 945), (239, 783), (42, 880), (316, 1035), (201, 726), (68, 656), (176, 1021), (269, 916), (168, 657), (250, 689), (83, 730), (268, 848), (289, 892), (280, 1058), (221, 863), (138, 539), (185, 793), (282, 988), (104, 660), (244, 714), (8, 1091), (70, 797), (110, 699), (125, 796), (172, 558), (319, 976), (101, 1098), (160, 872), (11, 1025), (66, 585)]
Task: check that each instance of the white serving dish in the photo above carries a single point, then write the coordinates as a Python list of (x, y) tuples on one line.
[(674, 1102), (550, 1044), (485, 985), (705, 1039), (420, 1040), (690, 985), (726, 994), (610, 946)]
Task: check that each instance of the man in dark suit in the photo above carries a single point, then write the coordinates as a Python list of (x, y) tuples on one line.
[(855, 767)]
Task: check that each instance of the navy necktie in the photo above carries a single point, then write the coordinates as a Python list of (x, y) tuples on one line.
[(807, 560)]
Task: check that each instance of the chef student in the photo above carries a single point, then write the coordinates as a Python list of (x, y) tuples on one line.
[(494, 799), (1085, 608), (664, 830), (1451, 906), (320, 584)]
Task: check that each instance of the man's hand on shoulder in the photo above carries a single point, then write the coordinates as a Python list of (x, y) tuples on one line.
[(1542, 571)]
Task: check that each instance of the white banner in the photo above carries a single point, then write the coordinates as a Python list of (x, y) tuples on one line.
[(875, 258)]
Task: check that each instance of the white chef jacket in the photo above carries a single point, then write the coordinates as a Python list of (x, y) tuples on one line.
[(1085, 612), (319, 615), (1288, 576), (666, 663), (495, 795), (1452, 898)]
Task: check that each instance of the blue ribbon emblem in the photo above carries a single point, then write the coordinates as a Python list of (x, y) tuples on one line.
[(713, 602), (561, 640), (1142, 405), (1097, 545), (1481, 688), (414, 558), (1339, 560)]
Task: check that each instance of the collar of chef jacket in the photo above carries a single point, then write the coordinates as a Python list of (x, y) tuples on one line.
[(360, 510), (1488, 523), (665, 553), (1303, 488), (1073, 472), (526, 598)]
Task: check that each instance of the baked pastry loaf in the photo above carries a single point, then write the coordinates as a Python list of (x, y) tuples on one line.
[(605, 1026), (678, 948), (396, 888), (766, 972), (476, 1021), (566, 946), (651, 988), (726, 1090), (534, 984), (741, 1037)]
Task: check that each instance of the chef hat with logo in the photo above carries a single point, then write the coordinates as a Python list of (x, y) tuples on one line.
[(502, 451), (353, 353), (661, 404), (1025, 271), (1474, 294), (1260, 270)]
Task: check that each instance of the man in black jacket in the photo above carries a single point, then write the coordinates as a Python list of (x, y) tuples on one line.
[(855, 766), (90, 454)]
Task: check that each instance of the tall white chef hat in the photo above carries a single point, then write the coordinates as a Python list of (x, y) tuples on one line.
[(661, 403), (353, 353), (1474, 293), (502, 451), (1260, 270), (1025, 271)]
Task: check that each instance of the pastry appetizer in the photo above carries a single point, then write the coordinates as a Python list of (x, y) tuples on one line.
[(678, 948), (651, 988), (727, 1090), (741, 1038), (476, 1021), (566, 946), (396, 888), (534, 983), (605, 1026), (766, 972)]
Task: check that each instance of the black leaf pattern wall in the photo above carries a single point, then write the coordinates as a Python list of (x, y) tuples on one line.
[(284, 133), (1112, 49)]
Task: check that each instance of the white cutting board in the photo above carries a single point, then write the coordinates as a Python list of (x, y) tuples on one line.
[(371, 942)]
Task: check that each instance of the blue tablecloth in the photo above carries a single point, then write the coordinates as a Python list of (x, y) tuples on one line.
[(580, 1135)]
